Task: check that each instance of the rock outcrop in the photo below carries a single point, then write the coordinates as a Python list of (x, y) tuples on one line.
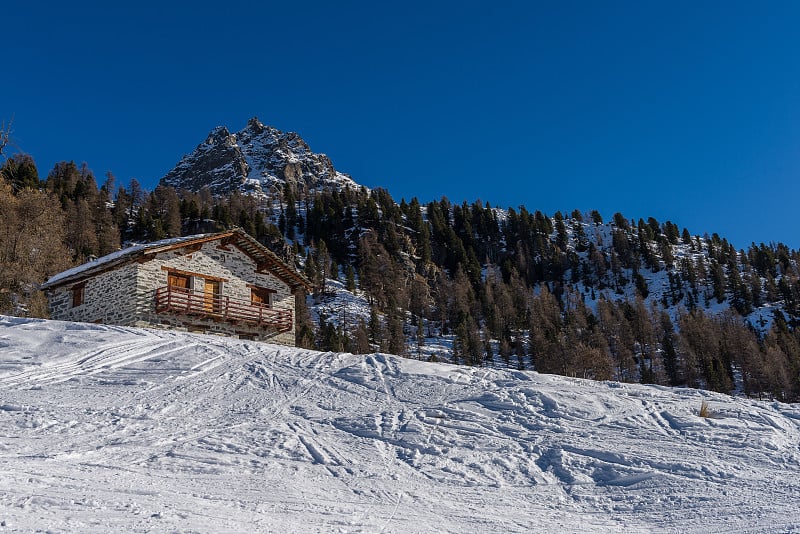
[(258, 159)]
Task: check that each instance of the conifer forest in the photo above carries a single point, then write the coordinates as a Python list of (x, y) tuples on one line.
[(564, 293)]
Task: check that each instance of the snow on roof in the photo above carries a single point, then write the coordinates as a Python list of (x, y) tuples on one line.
[(247, 243), (117, 256)]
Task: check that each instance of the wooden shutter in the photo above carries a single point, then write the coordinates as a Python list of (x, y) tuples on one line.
[(180, 281), (261, 296), (256, 297)]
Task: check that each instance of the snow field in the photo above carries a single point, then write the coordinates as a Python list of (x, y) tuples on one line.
[(118, 429)]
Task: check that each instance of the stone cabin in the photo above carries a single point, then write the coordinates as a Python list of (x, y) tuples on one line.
[(225, 283)]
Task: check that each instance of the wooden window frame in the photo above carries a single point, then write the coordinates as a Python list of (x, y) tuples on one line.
[(78, 294), (189, 281), (264, 292)]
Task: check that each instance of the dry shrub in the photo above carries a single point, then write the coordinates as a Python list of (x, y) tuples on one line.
[(705, 409)]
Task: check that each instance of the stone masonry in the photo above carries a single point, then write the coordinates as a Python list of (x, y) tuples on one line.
[(236, 269), (125, 295), (108, 299)]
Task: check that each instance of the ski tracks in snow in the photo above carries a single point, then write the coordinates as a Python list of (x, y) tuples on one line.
[(88, 364), (123, 429)]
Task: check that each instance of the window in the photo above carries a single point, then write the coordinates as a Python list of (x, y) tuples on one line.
[(261, 296), (179, 281), (77, 294)]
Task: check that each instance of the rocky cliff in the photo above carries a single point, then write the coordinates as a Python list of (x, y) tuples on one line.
[(258, 159)]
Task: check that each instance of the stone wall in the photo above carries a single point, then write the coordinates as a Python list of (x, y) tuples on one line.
[(234, 267), (126, 295), (108, 298)]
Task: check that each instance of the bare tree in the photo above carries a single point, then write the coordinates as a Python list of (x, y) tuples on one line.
[(31, 244), (5, 136)]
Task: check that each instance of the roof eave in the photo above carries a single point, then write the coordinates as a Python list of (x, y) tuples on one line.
[(281, 269)]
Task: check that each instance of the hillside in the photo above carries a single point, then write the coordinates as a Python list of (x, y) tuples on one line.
[(567, 293), (117, 429), (573, 294)]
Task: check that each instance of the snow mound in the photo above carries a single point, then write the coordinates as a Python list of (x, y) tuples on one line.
[(118, 429)]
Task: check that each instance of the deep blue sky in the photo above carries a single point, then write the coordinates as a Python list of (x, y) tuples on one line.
[(683, 111)]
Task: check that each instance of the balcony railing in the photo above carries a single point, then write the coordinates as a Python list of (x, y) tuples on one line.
[(179, 301)]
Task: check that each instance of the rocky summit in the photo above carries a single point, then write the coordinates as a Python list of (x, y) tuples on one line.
[(258, 159)]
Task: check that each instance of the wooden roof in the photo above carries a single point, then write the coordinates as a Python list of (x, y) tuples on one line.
[(265, 259)]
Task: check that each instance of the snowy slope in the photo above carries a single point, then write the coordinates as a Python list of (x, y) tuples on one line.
[(108, 429)]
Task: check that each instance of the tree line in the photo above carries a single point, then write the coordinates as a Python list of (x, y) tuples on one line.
[(565, 294), (569, 293)]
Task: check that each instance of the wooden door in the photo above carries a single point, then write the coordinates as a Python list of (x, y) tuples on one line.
[(211, 296)]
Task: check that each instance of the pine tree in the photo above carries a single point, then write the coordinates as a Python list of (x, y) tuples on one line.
[(304, 334), (163, 204), (395, 334), (375, 327), (350, 278), (20, 171), (701, 338), (290, 211), (718, 281), (361, 343), (545, 332)]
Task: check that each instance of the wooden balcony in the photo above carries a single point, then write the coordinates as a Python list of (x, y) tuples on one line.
[(179, 301)]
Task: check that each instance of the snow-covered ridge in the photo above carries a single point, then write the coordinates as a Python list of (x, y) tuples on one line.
[(117, 429)]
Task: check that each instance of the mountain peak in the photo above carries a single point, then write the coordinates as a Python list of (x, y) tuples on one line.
[(255, 125), (218, 135), (257, 159)]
